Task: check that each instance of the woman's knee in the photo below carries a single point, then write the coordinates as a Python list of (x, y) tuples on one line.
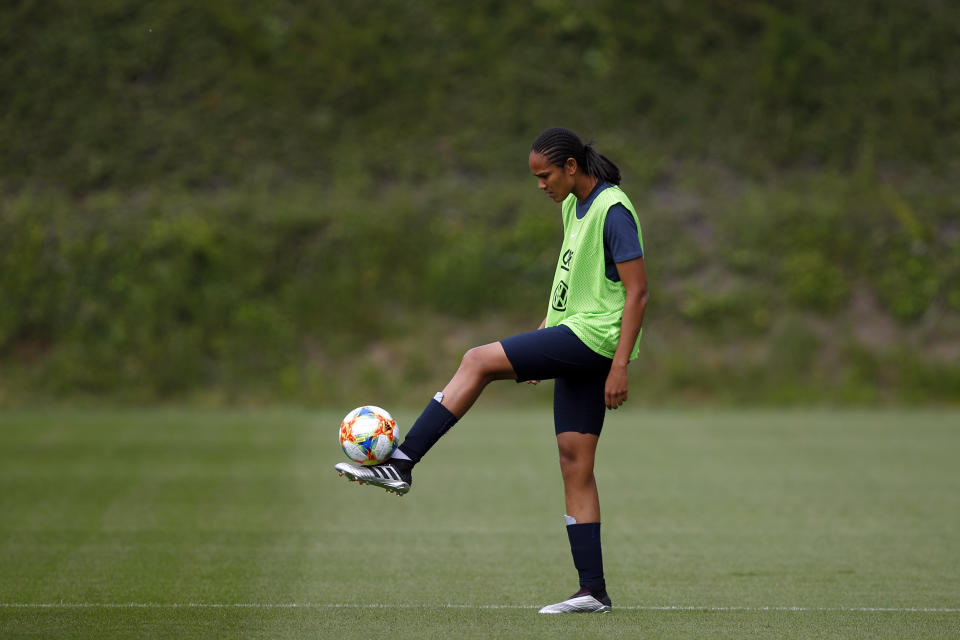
[(472, 359), (572, 465), (486, 362), (576, 456)]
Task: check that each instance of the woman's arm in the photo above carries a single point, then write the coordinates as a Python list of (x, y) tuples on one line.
[(633, 275)]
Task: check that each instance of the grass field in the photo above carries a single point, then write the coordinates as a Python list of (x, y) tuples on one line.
[(717, 524)]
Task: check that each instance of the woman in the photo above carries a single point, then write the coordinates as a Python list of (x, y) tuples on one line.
[(586, 340)]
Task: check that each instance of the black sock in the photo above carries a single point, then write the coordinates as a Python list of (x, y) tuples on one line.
[(403, 466), (435, 421), (587, 555)]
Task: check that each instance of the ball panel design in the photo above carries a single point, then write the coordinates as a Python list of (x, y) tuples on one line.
[(354, 452)]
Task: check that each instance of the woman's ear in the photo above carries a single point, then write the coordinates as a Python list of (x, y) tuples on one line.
[(570, 166)]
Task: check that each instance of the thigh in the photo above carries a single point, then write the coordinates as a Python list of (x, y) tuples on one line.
[(578, 404), (554, 352)]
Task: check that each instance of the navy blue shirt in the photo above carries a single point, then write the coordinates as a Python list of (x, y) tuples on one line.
[(621, 241)]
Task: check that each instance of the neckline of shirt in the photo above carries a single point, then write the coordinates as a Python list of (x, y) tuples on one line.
[(583, 207)]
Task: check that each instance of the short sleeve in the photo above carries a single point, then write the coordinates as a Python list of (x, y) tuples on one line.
[(621, 240)]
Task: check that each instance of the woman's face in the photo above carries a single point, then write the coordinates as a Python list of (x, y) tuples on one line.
[(556, 182)]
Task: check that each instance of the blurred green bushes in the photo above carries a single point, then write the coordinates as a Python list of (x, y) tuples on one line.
[(166, 292), (115, 93), (251, 295), (317, 201)]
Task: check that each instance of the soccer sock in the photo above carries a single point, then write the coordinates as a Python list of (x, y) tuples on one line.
[(587, 555), (399, 455), (401, 461), (435, 421)]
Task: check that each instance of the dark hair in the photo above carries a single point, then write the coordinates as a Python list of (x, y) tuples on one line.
[(558, 144)]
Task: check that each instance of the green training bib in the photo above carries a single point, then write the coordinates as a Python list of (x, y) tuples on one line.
[(583, 298)]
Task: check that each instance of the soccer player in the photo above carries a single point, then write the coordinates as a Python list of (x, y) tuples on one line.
[(586, 340)]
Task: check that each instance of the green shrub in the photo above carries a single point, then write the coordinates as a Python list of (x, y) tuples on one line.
[(292, 200), (813, 283)]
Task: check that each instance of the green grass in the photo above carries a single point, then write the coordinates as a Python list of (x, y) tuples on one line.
[(786, 524)]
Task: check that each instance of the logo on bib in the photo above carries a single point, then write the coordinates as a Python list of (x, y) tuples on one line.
[(559, 302)]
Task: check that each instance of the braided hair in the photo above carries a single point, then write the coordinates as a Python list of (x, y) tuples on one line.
[(557, 144)]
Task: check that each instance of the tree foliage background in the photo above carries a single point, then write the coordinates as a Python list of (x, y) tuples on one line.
[(326, 201)]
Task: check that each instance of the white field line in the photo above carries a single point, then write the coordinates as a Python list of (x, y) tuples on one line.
[(347, 605)]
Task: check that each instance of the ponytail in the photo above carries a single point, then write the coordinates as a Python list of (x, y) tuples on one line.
[(599, 165), (557, 144)]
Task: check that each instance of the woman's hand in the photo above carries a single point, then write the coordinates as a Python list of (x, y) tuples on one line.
[(615, 391)]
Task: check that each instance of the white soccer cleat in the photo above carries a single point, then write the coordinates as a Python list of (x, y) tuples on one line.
[(582, 601), (385, 475)]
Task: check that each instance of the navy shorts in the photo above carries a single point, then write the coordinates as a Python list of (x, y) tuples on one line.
[(579, 374)]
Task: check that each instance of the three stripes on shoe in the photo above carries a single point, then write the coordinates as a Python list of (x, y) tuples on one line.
[(386, 472)]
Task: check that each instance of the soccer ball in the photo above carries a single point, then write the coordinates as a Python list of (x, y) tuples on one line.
[(369, 435)]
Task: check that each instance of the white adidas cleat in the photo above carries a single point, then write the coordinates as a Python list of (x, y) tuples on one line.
[(385, 475), (582, 601)]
